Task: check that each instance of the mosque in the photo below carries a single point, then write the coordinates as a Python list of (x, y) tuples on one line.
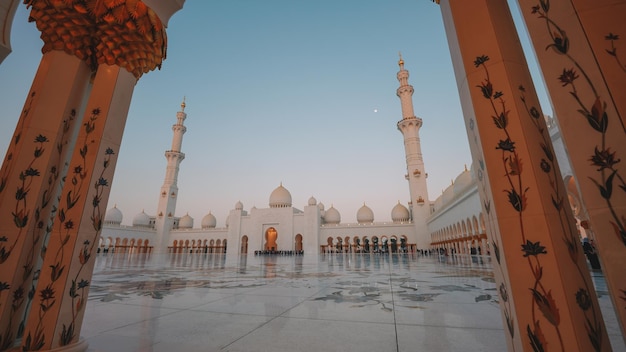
[(512, 202), (452, 223), (282, 226)]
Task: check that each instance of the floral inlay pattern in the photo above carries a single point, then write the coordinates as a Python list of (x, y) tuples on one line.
[(593, 322), (544, 308), (612, 38), (66, 227), (486, 89), (609, 181), (32, 214)]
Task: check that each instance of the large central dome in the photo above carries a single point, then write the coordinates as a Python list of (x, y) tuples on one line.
[(280, 198)]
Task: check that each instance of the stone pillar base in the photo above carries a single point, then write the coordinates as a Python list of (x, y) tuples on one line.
[(80, 346)]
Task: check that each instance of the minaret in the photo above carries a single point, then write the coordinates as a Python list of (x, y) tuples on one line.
[(169, 191), (416, 175)]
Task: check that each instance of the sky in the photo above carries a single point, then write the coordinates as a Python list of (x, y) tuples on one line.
[(301, 93)]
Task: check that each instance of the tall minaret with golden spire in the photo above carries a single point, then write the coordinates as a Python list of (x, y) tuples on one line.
[(416, 175), (169, 191)]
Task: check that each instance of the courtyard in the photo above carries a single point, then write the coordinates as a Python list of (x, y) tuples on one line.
[(334, 302)]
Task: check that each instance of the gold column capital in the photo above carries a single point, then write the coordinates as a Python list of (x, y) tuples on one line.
[(124, 33)]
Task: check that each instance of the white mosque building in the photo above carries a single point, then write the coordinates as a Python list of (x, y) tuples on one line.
[(452, 223)]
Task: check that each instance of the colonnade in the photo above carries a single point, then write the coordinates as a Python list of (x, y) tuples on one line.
[(466, 244), (366, 244), (124, 245), (198, 246), (467, 236)]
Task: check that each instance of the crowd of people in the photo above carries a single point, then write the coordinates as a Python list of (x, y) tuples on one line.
[(273, 252)]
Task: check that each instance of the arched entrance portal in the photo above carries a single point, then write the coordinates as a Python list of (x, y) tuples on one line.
[(270, 239), (244, 244), (298, 242)]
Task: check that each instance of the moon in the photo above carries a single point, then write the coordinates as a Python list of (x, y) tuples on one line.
[(375, 110)]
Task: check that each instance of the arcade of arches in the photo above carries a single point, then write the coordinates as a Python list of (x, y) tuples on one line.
[(124, 245), (368, 244), (465, 237), (199, 246)]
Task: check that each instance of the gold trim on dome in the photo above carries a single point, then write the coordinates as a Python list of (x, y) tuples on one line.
[(126, 33)]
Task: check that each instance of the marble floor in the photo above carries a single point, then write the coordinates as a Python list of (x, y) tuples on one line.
[(334, 302)]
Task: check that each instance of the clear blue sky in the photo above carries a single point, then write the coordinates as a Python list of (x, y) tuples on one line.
[(298, 92)]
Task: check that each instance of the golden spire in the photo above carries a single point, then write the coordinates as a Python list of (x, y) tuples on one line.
[(400, 62), (183, 105)]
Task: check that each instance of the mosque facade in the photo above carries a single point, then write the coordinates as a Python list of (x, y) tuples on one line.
[(281, 226), (452, 223)]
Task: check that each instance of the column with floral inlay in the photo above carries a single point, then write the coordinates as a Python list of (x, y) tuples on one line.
[(546, 294), (581, 48), (114, 43), (31, 179), (62, 289)]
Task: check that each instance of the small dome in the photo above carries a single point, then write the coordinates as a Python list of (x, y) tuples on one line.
[(365, 215), (113, 216), (462, 182), (239, 206), (209, 221), (186, 222), (312, 201), (142, 219), (280, 198), (320, 206), (332, 216), (448, 194), (400, 213), (439, 202)]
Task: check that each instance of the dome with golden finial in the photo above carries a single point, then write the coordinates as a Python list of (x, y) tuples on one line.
[(365, 215), (186, 222), (400, 213), (142, 219), (209, 221), (332, 216), (280, 197), (113, 216)]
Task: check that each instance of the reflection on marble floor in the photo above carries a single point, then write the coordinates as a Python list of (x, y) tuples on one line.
[(337, 302)]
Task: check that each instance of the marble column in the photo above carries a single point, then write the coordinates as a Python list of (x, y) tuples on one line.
[(546, 294), (31, 179), (483, 246), (61, 292), (581, 48)]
